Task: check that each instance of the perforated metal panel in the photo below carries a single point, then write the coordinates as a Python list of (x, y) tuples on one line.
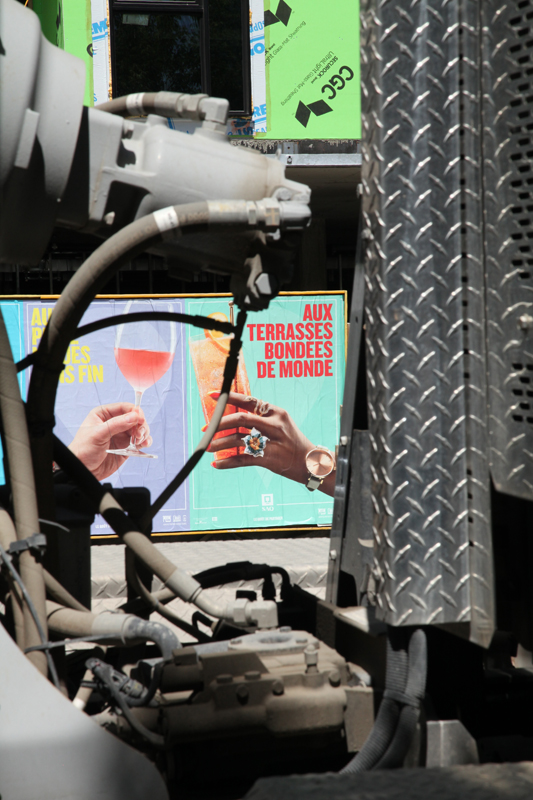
[(425, 313), (508, 167)]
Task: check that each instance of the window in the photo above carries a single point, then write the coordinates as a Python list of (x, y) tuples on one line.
[(181, 46)]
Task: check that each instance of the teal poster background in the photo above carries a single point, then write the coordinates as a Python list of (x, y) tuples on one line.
[(254, 497), (294, 355), (12, 313)]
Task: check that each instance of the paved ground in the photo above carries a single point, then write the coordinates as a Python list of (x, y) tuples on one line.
[(305, 560), (485, 782)]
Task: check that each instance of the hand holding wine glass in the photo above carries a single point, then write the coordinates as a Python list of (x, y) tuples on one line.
[(112, 425), (144, 351)]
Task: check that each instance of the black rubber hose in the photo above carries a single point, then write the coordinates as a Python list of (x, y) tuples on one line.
[(409, 715), (242, 570), (386, 722), (123, 319)]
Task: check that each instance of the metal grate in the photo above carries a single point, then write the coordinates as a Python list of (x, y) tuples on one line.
[(508, 182)]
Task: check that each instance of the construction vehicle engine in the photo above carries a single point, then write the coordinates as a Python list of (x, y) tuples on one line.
[(420, 654)]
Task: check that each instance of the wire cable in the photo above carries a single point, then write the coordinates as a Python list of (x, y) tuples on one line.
[(230, 370), (120, 319), (6, 558)]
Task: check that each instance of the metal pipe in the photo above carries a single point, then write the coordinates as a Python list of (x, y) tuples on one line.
[(24, 497)]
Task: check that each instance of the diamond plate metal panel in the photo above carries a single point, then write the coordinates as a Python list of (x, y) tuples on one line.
[(508, 153), (425, 314)]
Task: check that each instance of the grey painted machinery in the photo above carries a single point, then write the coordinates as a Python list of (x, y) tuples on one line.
[(429, 602)]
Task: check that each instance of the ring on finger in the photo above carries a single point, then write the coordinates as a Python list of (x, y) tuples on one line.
[(261, 408), (255, 443)]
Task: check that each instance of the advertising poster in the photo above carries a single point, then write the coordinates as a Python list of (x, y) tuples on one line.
[(287, 397), (292, 359), (312, 70), (92, 377)]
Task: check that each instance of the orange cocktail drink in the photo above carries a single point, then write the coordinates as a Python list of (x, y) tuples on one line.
[(209, 353)]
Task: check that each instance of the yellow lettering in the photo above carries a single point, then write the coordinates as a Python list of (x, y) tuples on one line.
[(69, 373), (85, 350), (62, 377), (98, 373), (75, 353), (36, 334), (50, 312), (36, 317), (82, 371)]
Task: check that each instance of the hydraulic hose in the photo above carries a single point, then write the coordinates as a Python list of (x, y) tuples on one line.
[(410, 704), (126, 627), (165, 104), (268, 214), (405, 681), (22, 483), (8, 535)]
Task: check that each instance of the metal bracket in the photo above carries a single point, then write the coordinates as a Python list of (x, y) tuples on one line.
[(37, 541)]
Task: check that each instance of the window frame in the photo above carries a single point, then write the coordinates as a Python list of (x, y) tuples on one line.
[(200, 8)]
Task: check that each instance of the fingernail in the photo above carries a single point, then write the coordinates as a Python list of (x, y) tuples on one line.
[(214, 395), (204, 429), (214, 464), (131, 417)]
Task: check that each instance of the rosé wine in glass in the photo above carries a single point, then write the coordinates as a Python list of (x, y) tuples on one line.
[(142, 368), (144, 351)]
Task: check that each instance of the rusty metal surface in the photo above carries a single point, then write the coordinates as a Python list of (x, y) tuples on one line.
[(508, 151), (425, 314)]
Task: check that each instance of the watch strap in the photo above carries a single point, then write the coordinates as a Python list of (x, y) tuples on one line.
[(313, 482)]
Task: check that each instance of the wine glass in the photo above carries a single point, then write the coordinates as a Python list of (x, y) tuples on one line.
[(144, 351)]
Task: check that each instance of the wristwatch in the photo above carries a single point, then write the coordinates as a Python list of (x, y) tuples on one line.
[(320, 463)]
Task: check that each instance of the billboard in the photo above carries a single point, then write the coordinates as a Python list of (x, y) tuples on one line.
[(286, 398), (305, 71)]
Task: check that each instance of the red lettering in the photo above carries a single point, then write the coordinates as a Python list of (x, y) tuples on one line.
[(300, 349), (300, 331), (328, 330), (327, 311), (289, 350), (285, 369), (271, 372), (319, 369), (318, 330), (251, 329), (308, 369), (318, 349), (260, 333), (280, 331), (298, 369), (307, 312), (261, 369), (270, 333), (317, 312), (328, 349), (309, 349), (269, 350), (289, 333), (279, 350), (309, 330), (329, 369)]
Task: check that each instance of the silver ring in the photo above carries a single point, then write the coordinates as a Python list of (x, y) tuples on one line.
[(255, 443), (261, 408)]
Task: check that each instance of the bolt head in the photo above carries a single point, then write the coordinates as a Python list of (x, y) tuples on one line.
[(278, 688), (335, 677), (242, 693)]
